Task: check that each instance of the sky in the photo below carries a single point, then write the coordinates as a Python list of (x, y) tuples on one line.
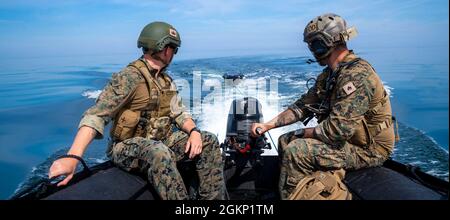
[(211, 28)]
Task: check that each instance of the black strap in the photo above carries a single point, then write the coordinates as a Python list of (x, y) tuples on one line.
[(194, 129), (85, 166), (332, 78)]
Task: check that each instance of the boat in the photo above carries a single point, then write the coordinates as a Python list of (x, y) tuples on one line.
[(250, 174)]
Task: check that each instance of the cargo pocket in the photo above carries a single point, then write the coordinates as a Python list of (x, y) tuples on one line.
[(362, 137), (126, 125), (165, 101), (125, 155), (291, 183)]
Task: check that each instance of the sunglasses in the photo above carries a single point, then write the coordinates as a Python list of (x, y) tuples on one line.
[(175, 49), (318, 47)]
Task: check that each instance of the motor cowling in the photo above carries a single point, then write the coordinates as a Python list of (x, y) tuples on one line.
[(239, 144), (242, 114)]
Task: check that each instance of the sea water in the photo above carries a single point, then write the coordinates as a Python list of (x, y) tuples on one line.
[(42, 100)]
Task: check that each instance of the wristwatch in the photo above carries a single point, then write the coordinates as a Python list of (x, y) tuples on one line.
[(194, 129), (299, 133)]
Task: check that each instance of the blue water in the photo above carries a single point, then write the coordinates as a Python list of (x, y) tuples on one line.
[(42, 99)]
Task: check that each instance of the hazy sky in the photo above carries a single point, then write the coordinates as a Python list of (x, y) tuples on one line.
[(211, 27)]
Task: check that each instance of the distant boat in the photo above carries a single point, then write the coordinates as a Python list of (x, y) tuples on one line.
[(233, 77)]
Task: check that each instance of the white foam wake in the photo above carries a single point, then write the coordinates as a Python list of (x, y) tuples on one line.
[(215, 107), (389, 90), (91, 94)]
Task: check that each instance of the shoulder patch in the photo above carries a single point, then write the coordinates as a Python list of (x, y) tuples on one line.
[(349, 88)]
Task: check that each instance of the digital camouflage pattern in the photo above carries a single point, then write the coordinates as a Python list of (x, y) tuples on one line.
[(356, 133), (301, 157), (158, 146), (158, 160), (128, 89)]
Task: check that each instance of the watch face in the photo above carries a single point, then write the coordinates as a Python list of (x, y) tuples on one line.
[(299, 133), (195, 129)]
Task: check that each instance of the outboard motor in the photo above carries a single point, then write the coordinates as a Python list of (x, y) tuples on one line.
[(249, 174), (239, 144)]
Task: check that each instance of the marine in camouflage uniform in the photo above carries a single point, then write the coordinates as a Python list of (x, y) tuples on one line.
[(146, 135), (353, 109), (350, 137)]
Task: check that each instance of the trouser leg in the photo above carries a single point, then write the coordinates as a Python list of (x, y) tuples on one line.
[(155, 159), (209, 164), (301, 157)]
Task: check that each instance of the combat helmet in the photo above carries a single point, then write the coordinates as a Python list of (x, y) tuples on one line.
[(325, 32), (157, 35)]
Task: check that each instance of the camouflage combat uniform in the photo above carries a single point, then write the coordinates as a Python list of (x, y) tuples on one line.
[(146, 133), (356, 132)]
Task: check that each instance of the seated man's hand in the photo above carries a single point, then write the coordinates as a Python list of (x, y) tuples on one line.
[(64, 166), (194, 144), (259, 129)]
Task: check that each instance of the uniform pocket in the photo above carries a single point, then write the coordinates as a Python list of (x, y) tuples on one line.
[(126, 125), (165, 102), (124, 155), (361, 137)]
